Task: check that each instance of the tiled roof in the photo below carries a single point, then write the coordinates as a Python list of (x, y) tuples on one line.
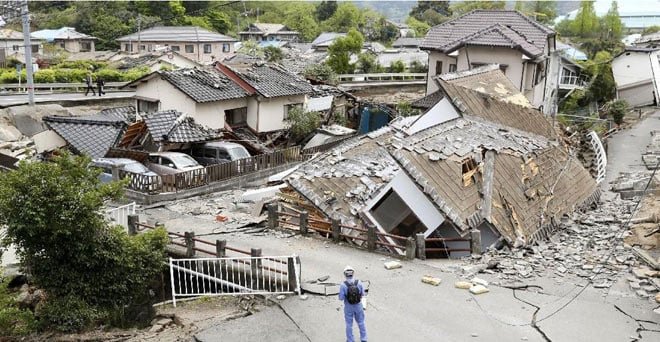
[(175, 127), (407, 42), (489, 28), (203, 85), (272, 80), (177, 34), (268, 29), (125, 113), (7, 163), (65, 33), (428, 101), (487, 79), (92, 135), (476, 104), (9, 34), (326, 38)]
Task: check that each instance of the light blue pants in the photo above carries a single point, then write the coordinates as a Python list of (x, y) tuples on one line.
[(356, 311)]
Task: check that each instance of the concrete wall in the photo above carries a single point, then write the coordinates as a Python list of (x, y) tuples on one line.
[(169, 96), (435, 56), (267, 114), (74, 45), (212, 114), (197, 55), (8, 46), (631, 67)]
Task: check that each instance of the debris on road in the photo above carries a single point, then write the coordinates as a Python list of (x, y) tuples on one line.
[(427, 279), (478, 289), (390, 265), (463, 285)]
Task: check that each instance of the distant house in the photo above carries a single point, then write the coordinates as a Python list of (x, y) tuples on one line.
[(407, 43), (637, 75), (269, 32), (325, 39), (651, 40), (11, 44), (68, 39), (207, 96), (196, 43), (522, 47), (159, 60), (274, 92)]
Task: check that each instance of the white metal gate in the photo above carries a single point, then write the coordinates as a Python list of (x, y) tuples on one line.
[(119, 215), (234, 276)]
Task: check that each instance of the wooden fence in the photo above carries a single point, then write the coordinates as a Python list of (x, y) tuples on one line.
[(210, 174), (371, 238)]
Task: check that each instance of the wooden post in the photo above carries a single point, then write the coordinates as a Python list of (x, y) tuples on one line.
[(221, 248), (133, 221), (410, 248), (336, 229), (475, 241), (272, 216), (371, 237), (190, 244), (255, 266), (304, 221), (421, 246)]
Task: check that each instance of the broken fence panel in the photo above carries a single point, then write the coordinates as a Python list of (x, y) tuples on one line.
[(120, 214), (234, 276)]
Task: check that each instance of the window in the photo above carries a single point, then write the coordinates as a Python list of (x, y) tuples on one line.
[(147, 106), (211, 153), (85, 46), (175, 48), (289, 107), (154, 159), (236, 116), (62, 45), (438, 67), (143, 48), (35, 48), (226, 47), (190, 48), (167, 162), (452, 67), (15, 47), (128, 47), (207, 48)]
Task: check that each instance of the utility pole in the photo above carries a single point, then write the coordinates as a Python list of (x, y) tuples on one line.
[(28, 52), (139, 22)]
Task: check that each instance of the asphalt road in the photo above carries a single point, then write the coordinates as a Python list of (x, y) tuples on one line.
[(16, 100)]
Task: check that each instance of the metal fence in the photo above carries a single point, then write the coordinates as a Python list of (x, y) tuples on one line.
[(59, 87), (234, 276), (120, 214)]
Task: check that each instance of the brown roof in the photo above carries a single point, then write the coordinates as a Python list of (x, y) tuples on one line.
[(473, 103), (488, 79), (489, 28)]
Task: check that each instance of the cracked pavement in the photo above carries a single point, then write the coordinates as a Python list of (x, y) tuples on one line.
[(401, 307)]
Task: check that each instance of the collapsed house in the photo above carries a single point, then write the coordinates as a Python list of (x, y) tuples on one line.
[(477, 159)]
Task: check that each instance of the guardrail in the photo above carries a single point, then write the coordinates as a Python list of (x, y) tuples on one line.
[(75, 87), (381, 77)]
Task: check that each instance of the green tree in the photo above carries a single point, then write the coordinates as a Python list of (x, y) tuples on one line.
[(651, 29), (339, 52), (303, 123), (612, 25), (397, 66), (603, 87), (273, 54), (325, 10), (299, 16), (462, 7), (219, 21), (431, 12), (52, 214), (348, 16), (251, 47), (617, 110), (420, 27), (542, 11), (368, 63), (321, 73), (585, 24)]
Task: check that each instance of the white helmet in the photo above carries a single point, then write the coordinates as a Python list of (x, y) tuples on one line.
[(348, 271)]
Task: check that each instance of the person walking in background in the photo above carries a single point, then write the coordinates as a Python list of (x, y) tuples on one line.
[(90, 84), (351, 292), (100, 83)]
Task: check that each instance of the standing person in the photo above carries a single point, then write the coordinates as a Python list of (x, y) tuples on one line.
[(90, 84), (351, 292), (100, 83)]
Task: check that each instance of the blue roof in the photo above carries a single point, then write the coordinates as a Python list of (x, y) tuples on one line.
[(61, 33), (571, 52)]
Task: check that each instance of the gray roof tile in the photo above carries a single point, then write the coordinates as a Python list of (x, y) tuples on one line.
[(272, 80), (489, 28), (204, 86), (92, 135), (175, 127), (177, 34)]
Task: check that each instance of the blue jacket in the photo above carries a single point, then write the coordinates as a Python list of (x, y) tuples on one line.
[(343, 290)]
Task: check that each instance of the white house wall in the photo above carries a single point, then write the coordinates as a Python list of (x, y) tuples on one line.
[(441, 112), (169, 96), (631, 67), (269, 112), (435, 56), (488, 55), (253, 113), (212, 114), (655, 68)]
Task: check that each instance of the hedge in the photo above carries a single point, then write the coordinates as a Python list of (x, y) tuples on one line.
[(64, 75)]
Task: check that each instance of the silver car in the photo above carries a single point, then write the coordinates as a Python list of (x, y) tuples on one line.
[(141, 177), (171, 164)]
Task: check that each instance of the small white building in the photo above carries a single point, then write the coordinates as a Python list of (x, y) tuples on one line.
[(68, 39), (637, 75), (11, 44), (269, 32)]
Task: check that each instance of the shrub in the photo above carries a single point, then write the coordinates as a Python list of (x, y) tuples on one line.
[(417, 66), (321, 72), (110, 75), (135, 73), (397, 66), (617, 110), (13, 320), (67, 314), (303, 123), (70, 75), (83, 64), (405, 109), (44, 76)]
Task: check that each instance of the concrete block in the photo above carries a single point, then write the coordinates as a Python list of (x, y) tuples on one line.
[(479, 281), (657, 297), (9, 133), (478, 289), (640, 272), (463, 285), (427, 279), (390, 265)]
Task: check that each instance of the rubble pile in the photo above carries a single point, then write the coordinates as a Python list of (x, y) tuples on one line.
[(652, 156), (587, 245)]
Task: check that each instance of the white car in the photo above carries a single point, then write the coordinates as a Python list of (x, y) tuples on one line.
[(170, 164)]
